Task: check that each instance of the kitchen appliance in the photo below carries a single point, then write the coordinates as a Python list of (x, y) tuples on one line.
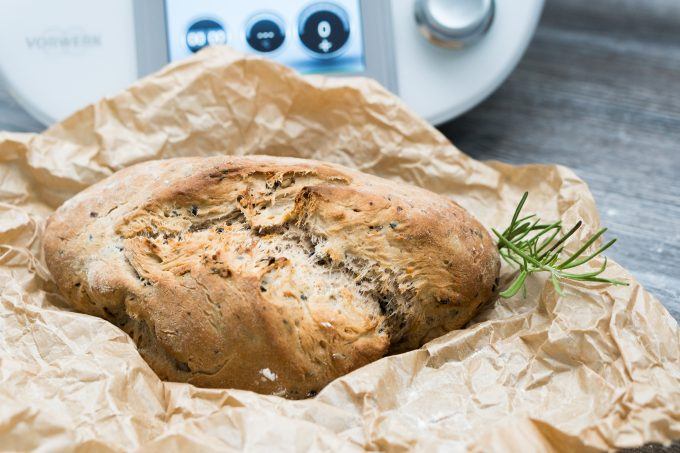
[(442, 57)]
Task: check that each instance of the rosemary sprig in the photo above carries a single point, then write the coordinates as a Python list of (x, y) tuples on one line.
[(534, 246)]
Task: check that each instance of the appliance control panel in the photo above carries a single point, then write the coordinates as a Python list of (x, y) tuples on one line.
[(317, 37)]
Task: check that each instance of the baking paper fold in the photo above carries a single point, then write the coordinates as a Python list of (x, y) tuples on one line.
[(596, 368)]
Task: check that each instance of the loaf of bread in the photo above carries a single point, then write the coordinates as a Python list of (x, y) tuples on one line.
[(269, 274)]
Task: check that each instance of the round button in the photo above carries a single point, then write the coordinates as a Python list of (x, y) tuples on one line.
[(454, 23), (324, 29), (205, 32), (265, 33)]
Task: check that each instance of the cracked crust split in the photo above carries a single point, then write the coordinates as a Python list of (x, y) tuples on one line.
[(222, 267)]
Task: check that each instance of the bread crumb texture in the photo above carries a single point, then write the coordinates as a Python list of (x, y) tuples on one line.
[(275, 275)]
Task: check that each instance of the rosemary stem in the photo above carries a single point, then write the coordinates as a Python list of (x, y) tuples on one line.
[(534, 246)]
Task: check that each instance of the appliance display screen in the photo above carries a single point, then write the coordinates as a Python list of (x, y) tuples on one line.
[(312, 37)]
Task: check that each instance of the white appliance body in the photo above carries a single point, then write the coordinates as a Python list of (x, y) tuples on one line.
[(57, 56), (440, 83)]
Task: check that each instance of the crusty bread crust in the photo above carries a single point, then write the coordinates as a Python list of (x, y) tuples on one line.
[(269, 274)]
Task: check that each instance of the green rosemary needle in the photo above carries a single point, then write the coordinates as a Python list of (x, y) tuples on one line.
[(534, 246)]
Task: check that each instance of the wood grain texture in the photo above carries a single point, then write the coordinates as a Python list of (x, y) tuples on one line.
[(599, 91)]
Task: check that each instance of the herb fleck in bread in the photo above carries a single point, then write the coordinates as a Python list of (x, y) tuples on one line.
[(269, 274)]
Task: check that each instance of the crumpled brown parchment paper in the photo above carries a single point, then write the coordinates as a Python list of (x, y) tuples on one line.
[(596, 368)]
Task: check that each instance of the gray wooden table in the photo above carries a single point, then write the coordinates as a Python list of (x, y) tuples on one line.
[(599, 91)]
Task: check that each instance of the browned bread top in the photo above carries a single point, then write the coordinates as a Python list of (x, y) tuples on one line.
[(270, 274)]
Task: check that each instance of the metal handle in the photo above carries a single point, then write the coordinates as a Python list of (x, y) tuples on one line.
[(454, 23)]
